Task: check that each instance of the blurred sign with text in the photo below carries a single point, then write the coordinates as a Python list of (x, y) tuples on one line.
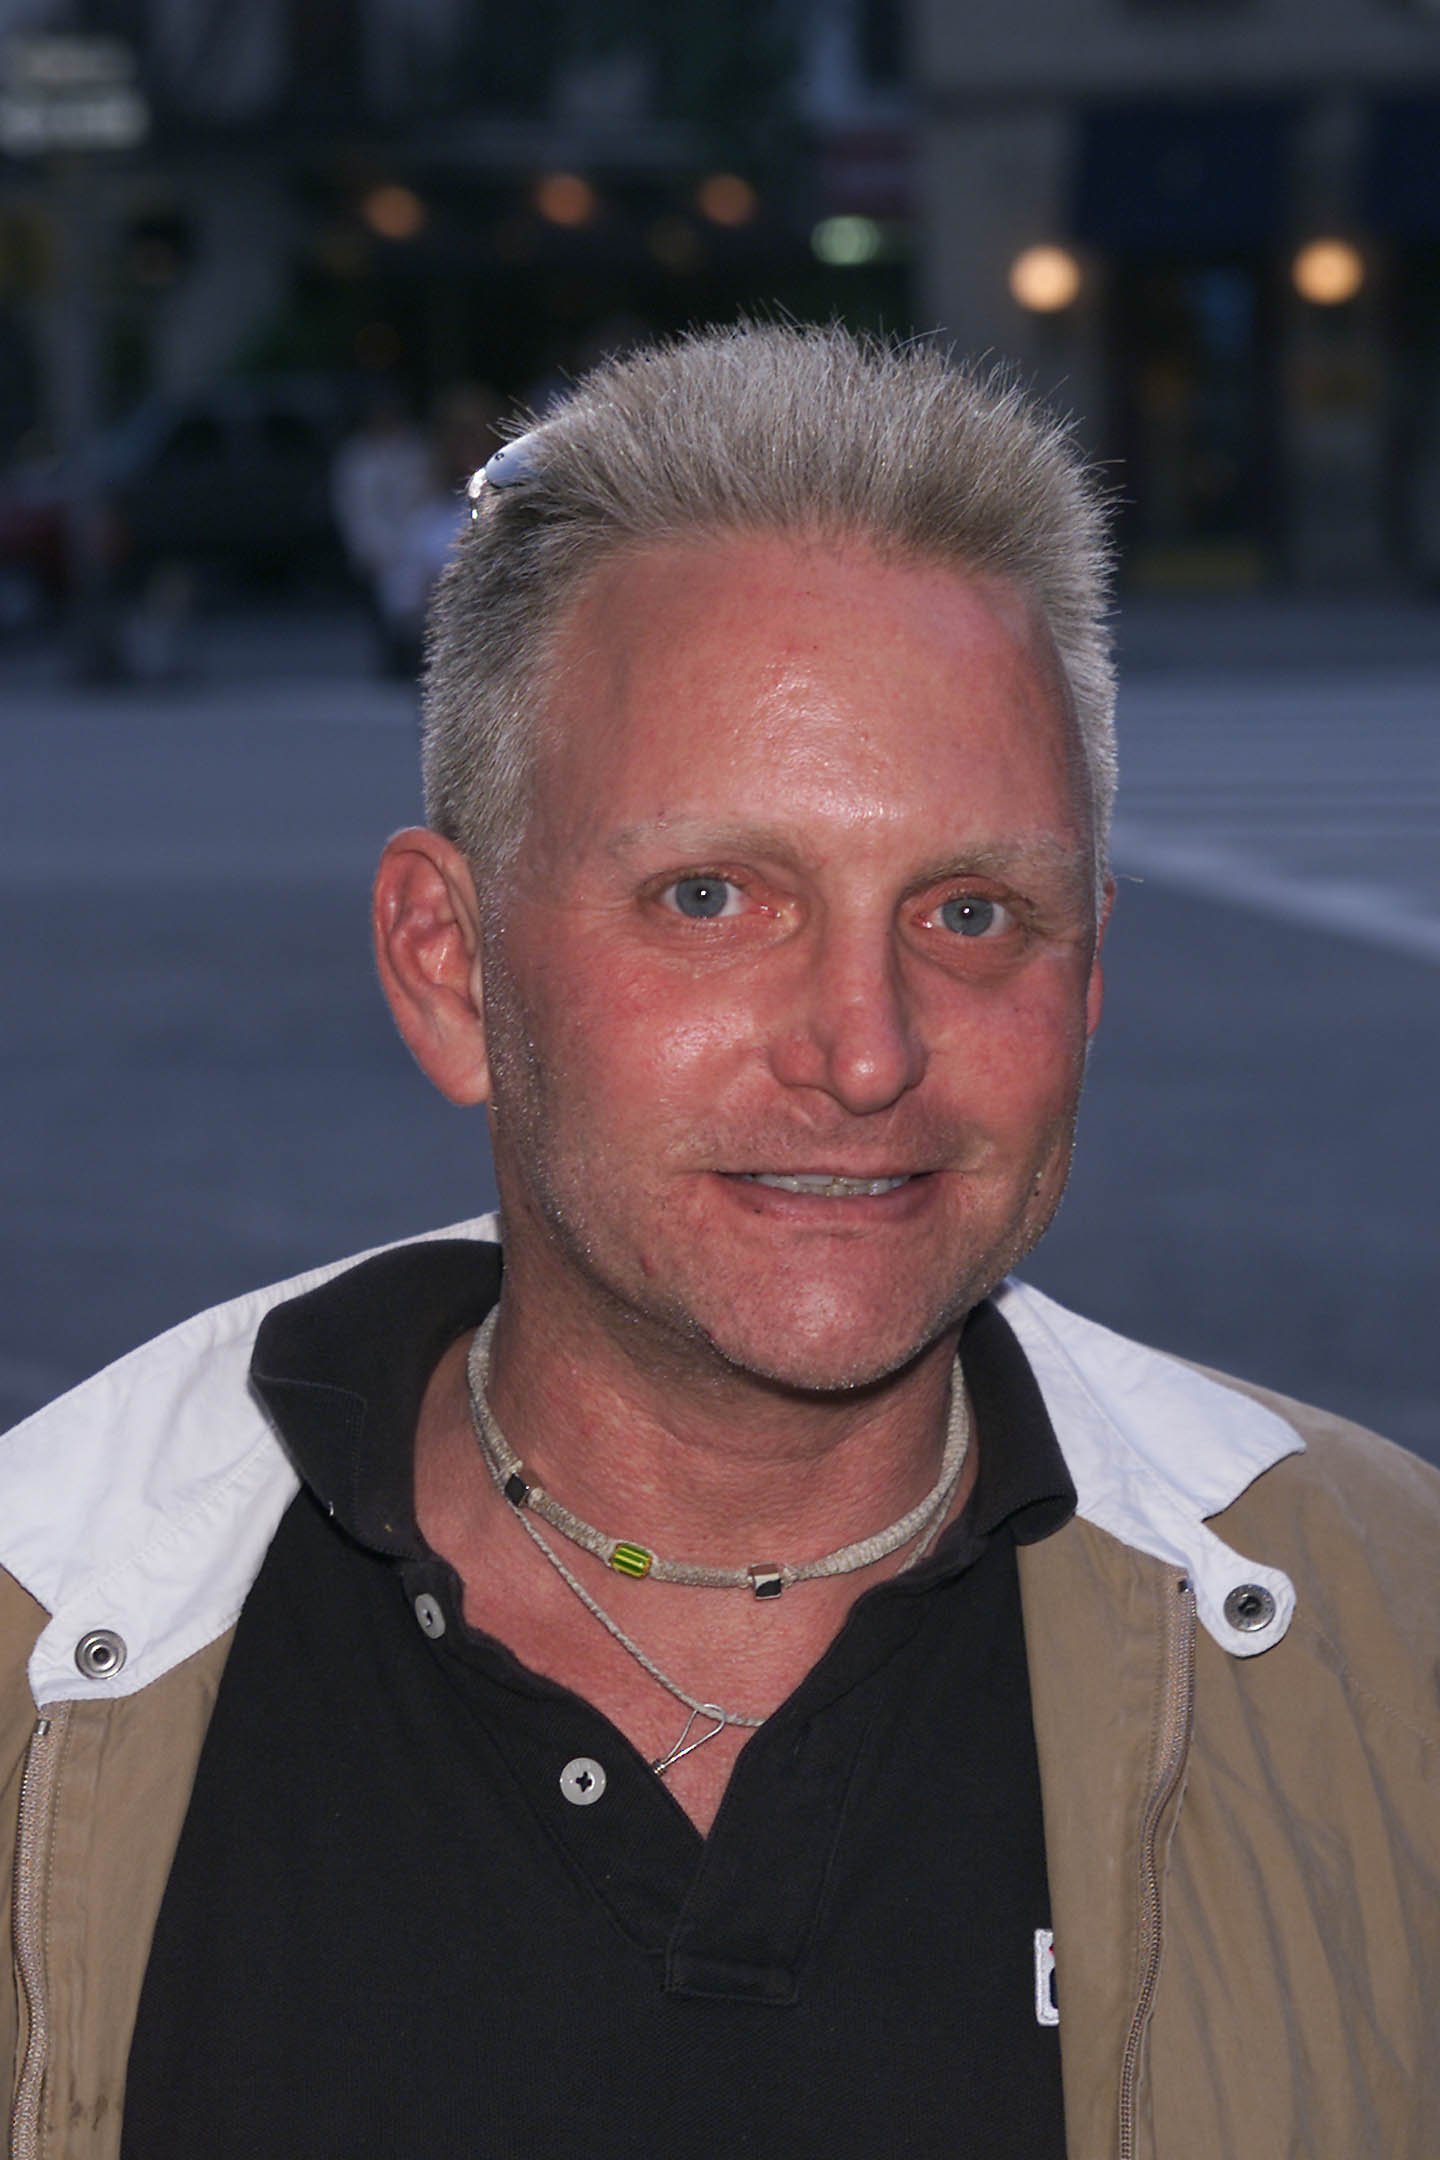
[(75, 94)]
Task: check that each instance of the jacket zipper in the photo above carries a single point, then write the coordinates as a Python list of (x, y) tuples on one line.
[(37, 1796), (1171, 1748)]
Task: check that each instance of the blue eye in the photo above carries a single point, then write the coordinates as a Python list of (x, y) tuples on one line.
[(702, 898), (971, 917)]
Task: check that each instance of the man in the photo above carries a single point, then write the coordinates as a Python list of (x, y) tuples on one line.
[(703, 1692)]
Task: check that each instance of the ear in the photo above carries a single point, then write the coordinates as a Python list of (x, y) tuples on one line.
[(1095, 990), (427, 947)]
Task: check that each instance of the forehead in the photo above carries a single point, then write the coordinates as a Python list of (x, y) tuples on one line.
[(733, 676)]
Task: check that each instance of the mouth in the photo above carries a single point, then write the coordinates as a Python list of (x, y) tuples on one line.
[(826, 1184)]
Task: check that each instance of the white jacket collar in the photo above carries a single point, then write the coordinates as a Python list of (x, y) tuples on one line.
[(143, 1502), (1154, 1448)]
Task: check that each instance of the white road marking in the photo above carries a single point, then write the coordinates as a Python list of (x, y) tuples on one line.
[(1315, 800), (1368, 913)]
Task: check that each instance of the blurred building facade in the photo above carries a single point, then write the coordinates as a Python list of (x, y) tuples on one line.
[(339, 207), (1238, 208), (431, 189), (350, 195)]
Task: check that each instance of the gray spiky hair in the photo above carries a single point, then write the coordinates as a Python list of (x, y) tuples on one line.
[(813, 432)]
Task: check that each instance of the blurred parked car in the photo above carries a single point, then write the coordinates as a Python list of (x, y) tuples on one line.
[(234, 480)]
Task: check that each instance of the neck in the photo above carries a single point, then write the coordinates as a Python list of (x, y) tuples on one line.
[(714, 1463)]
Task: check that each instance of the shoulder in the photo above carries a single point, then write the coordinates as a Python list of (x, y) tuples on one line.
[(1351, 1493), (1245, 1487), (147, 1497), (1355, 1516), (1355, 1523)]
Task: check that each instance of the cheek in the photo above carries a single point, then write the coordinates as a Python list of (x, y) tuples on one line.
[(1017, 1057), (629, 1039)]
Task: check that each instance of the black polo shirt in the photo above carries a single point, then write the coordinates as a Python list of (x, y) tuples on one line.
[(389, 1932)]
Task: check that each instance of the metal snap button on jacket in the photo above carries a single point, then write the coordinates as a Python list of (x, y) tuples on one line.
[(429, 1613), (582, 1781), (100, 1654), (1249, 1606)]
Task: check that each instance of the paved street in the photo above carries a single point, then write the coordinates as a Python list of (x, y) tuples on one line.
[(201, 1090), (1289, 800)]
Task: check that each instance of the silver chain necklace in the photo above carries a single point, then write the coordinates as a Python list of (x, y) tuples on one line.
[(715, 1715)]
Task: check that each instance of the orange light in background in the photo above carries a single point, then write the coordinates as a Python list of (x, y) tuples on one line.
[(726, 199), (394, 212), (1045, 279), (564, 198), (1328, 272)]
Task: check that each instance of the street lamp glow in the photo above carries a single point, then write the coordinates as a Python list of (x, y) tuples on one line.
[(394, 212), (727, 199), (566, 198), (847, 242), (1328, 272), (1045, 279)]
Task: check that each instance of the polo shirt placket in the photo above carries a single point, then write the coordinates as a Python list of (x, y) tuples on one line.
[(392, 1927)]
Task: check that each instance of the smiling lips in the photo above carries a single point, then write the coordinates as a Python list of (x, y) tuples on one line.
[(825, 1184)]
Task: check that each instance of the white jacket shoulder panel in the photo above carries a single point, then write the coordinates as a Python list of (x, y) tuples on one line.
[(1154, 1448), (143, 1502)]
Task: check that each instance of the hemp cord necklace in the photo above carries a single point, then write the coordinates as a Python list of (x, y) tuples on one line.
[(505, 1469), (764, 1578)]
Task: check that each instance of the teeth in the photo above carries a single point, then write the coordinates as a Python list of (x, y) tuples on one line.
[(833, 1188)]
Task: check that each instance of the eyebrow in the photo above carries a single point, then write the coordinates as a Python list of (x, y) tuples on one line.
[(1023, 856), (691, 836)]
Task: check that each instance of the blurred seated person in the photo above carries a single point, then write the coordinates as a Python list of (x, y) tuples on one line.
[(420, 545), (381, 476)]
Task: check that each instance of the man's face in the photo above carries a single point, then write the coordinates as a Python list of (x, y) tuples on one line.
[(805, 896)]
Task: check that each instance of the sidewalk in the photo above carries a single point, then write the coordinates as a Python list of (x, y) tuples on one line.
[(314, 641)]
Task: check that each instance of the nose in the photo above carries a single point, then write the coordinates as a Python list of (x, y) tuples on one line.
[(850, 1027)]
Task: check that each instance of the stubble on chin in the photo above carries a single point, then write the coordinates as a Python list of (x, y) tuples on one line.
[(675, 1326)]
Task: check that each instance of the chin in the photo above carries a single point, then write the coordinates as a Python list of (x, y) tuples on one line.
[(830, 1355)]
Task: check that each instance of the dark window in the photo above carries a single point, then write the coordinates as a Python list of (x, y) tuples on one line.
[(285, 434), (881, 42), (327, 71), (198, 440)]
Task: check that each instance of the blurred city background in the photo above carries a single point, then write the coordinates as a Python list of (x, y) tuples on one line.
[(272, 271)]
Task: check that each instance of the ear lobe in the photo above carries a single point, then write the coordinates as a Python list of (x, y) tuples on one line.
[(427, 948)]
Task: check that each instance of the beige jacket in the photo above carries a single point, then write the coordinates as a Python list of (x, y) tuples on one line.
[(1240, 1757)]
